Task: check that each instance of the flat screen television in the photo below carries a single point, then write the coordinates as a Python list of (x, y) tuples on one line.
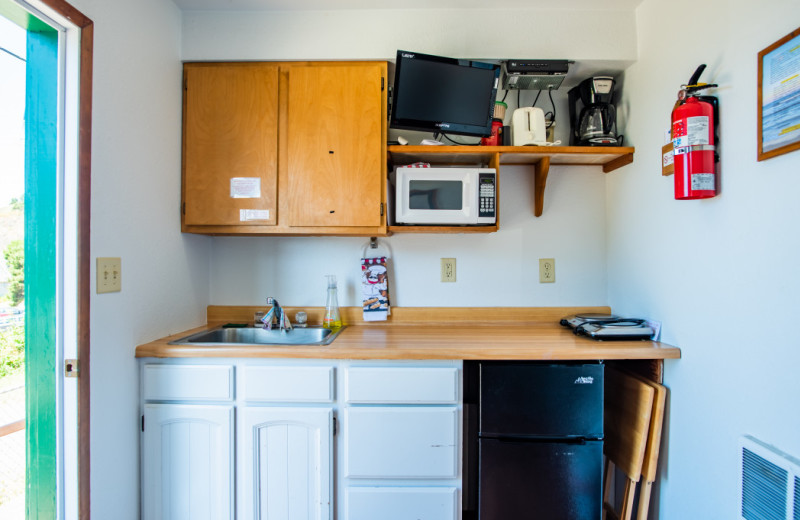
[(443, 95)]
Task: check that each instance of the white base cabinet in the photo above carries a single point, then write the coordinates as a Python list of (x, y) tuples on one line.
[(187, 463), (402, 503), (285, 458), (408, 442), (255, 439)]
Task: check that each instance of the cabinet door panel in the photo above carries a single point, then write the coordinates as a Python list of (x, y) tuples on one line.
[(412, 385), (335, 145), (230, 144), (164, 382), (186, 462), (288, 384), (392, 503), (286, 460), (401, 442)]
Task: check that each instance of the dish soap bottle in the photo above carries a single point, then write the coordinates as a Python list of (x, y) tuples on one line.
[(332, 319)]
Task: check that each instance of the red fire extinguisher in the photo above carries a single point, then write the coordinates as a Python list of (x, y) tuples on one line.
[(695, 120)]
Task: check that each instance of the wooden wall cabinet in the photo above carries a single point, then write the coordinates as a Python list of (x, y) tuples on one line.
[(284, 148)]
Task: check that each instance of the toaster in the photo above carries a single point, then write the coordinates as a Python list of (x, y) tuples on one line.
[(527, 127)]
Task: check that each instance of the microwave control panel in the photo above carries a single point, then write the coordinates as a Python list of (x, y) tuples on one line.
[(486, 195)]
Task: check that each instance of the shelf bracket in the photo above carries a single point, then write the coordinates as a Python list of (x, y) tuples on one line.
[(619, 162), (542, 168)]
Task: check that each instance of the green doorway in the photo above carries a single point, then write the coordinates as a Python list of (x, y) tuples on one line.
[(53, 259)]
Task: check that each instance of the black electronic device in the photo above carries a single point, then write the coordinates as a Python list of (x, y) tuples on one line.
[(534, 74), (592, 114), (443, 95)]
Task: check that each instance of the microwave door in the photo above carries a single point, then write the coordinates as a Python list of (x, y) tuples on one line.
[(432, 199)]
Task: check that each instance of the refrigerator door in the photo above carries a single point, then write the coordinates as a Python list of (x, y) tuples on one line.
[(541, 480), (541, 400)]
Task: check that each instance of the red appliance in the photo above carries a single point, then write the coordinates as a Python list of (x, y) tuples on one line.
[(694, 123), (496, 139)]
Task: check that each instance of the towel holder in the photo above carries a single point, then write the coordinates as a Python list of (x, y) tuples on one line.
[(373, 246)]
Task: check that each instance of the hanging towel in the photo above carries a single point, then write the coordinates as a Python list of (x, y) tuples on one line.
[(375, 289)]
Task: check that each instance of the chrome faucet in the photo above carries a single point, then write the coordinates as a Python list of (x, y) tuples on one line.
[(277, 314)]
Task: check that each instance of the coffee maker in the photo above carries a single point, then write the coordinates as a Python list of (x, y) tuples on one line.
[(595, 124)]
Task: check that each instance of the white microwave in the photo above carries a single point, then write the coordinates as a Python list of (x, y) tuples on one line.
[(445, 196)]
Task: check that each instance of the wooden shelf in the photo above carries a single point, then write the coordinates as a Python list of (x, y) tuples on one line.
[(540, 157), (442, 229)]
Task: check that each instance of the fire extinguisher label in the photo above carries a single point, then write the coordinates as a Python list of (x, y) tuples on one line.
[(697, 130), (703, 181), (693, 133)]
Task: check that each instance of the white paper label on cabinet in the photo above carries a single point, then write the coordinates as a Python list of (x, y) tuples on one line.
[(246, 187), (253, 214)]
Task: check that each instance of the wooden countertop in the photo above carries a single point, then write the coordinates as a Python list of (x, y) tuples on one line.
[(427, 333)]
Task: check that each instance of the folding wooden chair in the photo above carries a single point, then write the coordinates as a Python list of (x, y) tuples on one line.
[(628, 410), (650, 465)]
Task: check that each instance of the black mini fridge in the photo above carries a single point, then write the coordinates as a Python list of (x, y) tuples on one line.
[(539, 437)]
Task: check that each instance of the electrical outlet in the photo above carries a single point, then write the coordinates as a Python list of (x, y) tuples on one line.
[(109, 275), (547, 270), (448, 269)]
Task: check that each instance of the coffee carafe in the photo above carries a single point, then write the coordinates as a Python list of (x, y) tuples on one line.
[(595, 124)]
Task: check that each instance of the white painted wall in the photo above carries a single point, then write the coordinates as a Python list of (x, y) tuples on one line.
[(500, 269), (136, 148), (377, 34), (721, 274), (493, 270), (736, 381)]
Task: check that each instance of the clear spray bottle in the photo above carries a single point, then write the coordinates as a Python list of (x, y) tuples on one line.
[(332, 319)]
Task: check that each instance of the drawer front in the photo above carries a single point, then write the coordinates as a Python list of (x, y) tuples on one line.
[(288, 384), (392, 385), (429, 503), (401, 442), (187, 382)]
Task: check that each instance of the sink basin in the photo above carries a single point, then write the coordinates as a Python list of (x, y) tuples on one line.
[(257, 336)]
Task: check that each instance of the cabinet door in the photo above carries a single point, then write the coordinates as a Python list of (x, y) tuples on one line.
[(285, 460), (402, 503), (336, 149), (401, 442), (186, 462), (230, 149)]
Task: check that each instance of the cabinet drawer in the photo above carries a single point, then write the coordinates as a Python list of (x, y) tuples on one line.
[(370, 503), (187, 382), (288, 384), (412, 385), (401, 442)]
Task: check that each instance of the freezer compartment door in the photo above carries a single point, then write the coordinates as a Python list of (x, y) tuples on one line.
[(541, 400), (542, 480)]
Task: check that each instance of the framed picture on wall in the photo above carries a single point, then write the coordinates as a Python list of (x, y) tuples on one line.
[(779, 97)]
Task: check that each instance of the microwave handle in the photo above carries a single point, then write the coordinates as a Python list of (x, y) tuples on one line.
[(467, 186), (469, 204)]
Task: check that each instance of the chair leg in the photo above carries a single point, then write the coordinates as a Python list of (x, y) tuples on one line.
[(626, 513), (607, 482), (644, 500)]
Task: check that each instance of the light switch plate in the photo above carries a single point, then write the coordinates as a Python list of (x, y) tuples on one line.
[(109, 275)]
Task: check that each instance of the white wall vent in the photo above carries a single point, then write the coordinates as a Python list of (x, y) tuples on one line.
[(770, 482)]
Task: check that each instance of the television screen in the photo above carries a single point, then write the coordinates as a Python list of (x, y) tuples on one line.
[(443, 95)]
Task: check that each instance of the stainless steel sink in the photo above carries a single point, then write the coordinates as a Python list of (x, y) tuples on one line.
[(257, 336)]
